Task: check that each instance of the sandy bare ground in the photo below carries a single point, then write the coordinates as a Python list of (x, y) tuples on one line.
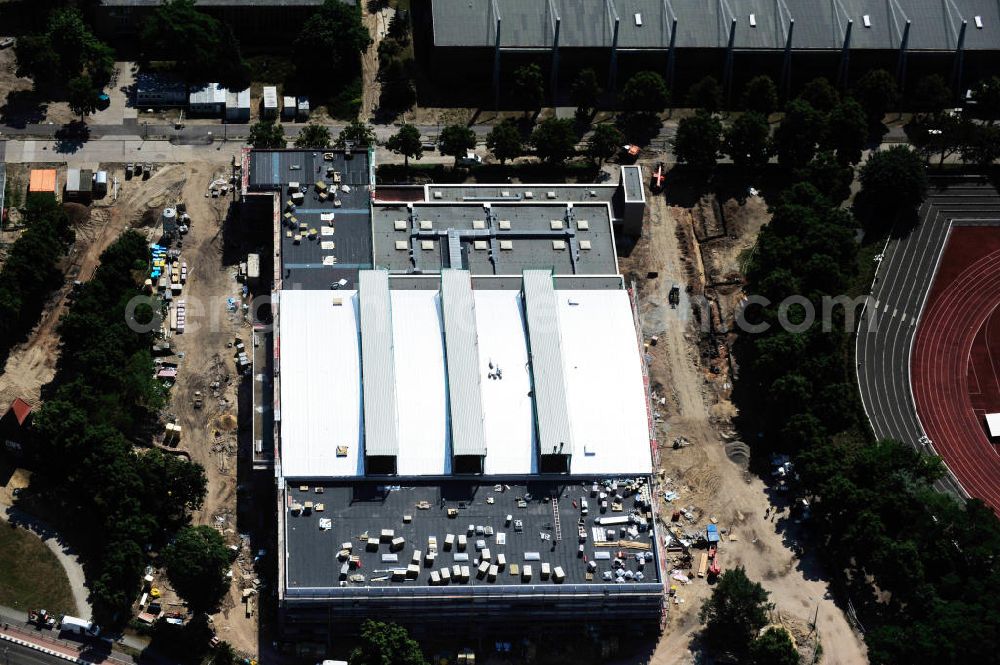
[(371, 88), (210, 432), (707, 479), (25, 110)]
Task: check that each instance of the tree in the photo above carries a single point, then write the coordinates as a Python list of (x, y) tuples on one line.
[(645, 92), (313, 136), (894, 180), (983, 146), (796, 136), (931, 94), (585, 90), (876, 91), (386, 644), (356, 133), (224, 654), (529, 87), (847, 131), (199, 43), (832, 178), (83, 95), (820, 94), (748, 141), (705, 94), (987, 98), (554, 140), (504, 141), (760, 95), (196, 564), (604, 143), (456, 140), (774, 647), (267, 134), (65, 50), (406, 142), (336, 32), (698, 140), (735, 611)]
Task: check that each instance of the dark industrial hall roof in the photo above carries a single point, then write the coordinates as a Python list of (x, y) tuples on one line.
[(646, 24)]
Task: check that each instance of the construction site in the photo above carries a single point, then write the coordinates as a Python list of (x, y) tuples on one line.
[(500, 407)]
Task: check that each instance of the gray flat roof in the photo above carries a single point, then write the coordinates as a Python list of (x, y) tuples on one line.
[(507, 283), (307, 264), (555, 434), (528, 24), (377, 365), (632, 181), (523, 192), (465, 405), (365, 507), (530, 233)]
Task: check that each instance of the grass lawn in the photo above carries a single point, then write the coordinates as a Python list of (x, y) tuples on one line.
[(30, 575)]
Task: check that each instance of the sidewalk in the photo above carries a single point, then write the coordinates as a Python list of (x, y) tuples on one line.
[(74, 652)]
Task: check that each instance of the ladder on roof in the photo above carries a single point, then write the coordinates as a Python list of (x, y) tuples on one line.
[(556, 526)]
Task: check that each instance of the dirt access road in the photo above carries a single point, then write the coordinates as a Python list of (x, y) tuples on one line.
[(705, 477), (210, 433)]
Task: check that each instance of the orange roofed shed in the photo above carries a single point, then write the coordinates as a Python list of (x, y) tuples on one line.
[(43, 180)]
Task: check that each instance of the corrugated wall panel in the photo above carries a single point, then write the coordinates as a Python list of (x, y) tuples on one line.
[(377, 366), (462, 356), (555, 433)]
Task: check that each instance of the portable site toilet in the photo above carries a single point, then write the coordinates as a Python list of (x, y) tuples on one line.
[(303, 108), (270, 102), (288, 108), (100, 183)]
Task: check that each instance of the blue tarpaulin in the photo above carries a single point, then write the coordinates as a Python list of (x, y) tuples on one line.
[(712, 533)]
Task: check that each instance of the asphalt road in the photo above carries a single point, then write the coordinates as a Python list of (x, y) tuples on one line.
[(902, 282), (15, 654)]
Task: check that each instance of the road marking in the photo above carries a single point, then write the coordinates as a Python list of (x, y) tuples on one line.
[(903, 318), (894, 312)]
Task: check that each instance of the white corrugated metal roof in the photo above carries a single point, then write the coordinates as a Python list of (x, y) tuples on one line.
[(555, 434), (507, 412), (270, 97), (213, 93), (320, 373), (320, 384), (377, 370), (604, 384), (462, 353), (421, 384)]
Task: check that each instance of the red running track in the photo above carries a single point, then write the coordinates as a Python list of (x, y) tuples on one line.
[(962, 302)]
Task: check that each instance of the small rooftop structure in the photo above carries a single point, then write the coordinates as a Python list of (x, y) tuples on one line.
[(42, 181), (210, 96), (79, 183), (21, 410), (156, 90)]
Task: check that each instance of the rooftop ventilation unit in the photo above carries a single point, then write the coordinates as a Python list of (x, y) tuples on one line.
[(638, 19), (867, 20), (753, 20), (437, 195), (979, 22)]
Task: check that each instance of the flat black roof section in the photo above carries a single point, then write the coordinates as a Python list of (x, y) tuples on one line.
[(360, 508)]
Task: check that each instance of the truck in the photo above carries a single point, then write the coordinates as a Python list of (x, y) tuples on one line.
[(41, 619), (78, 626)]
